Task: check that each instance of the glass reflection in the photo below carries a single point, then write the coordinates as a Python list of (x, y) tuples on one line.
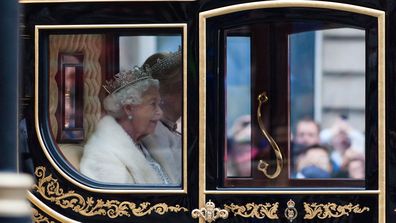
[(239, 149), (315, 83), (70, 91), (133, 126), (327, 73)]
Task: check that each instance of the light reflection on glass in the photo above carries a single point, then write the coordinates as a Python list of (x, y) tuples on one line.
[(327, 84), (239, 149), (70, 100)]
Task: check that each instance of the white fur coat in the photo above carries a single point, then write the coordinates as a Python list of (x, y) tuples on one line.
[(111, 156)]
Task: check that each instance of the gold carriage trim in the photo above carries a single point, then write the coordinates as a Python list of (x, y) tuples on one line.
[(253, 210), (331, 210), (50, 190), (37, 217)]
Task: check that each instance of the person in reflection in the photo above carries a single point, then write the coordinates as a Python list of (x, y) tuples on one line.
[(353, 165), (240, 152), (165, 144), (307, 134), (314, 162), (342, 137), (115, 153)]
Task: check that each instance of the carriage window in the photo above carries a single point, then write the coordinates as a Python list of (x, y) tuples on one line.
[(69, 115), (116, 104), (295, 107), (327, 113), (239, 150)]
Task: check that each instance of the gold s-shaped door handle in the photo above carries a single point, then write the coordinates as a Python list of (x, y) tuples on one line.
[(263, 166), (209, 213)]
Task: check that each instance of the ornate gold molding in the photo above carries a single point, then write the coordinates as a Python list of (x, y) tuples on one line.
[(37, 217), (331, 210), (50, 190), (252, 210)]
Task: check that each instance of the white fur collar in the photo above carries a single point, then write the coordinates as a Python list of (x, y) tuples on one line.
[(111, 155)]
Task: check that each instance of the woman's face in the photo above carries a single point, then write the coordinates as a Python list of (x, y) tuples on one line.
[(146, 115)]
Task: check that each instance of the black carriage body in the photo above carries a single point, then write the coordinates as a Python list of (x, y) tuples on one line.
[(62, 194)]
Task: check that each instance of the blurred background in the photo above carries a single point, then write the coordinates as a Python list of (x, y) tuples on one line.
[(134, 50), (326, 71)]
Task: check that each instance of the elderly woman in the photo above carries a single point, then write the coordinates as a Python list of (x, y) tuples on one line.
[(115, 153)]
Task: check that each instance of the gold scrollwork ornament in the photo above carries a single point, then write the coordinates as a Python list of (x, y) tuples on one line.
[(331, 210), (291, 212), (263, 166), (209, 213), (37, 217), (50, 190), (253, 210)]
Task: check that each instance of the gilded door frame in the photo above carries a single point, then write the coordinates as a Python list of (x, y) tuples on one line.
[(36, 201), (37, 122), (380, 15)]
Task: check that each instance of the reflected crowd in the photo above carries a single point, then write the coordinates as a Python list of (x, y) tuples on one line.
[(335, 152)]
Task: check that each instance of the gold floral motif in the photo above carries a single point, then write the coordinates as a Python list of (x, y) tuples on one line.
[(331, 210), (253, 210), (49, 189), (39, 218)]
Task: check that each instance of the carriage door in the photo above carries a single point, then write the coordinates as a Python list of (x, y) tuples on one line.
[(289, 125), (76, 56), (291, 113)]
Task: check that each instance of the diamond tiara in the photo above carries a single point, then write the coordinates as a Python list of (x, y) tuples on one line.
[(126, 78), (170, 60)]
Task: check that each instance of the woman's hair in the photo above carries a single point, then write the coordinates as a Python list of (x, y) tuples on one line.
[(131, 94), (167, 69)]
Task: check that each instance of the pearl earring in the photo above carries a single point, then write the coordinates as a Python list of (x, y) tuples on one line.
[(130, 117)]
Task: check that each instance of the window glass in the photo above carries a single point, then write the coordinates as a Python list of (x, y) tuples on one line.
[(239, 150), (116, 103), (294, 107)]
